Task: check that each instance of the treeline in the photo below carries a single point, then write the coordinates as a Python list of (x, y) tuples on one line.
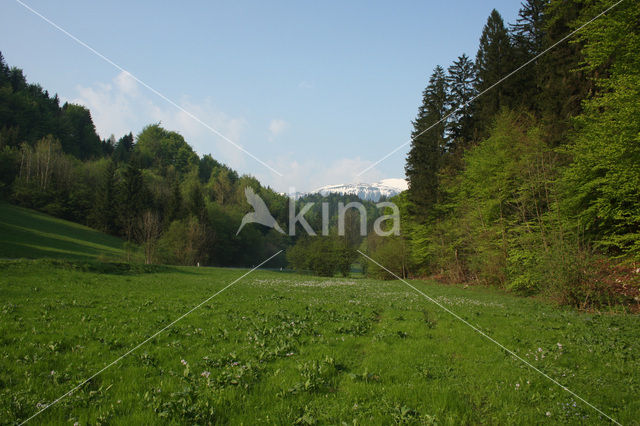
[(152, 189), (169, 204), (334, 248), (531, 183)]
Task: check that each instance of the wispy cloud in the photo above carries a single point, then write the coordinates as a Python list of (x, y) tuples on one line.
[(309, 174), (276, 127), (306, 85)]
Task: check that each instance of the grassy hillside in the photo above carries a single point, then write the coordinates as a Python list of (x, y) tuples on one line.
[(281, 349), (30, 234)]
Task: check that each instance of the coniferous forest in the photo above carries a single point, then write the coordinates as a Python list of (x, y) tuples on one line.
[(531, 183)]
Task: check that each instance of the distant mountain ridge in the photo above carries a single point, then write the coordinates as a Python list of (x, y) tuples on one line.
[(366, 191)]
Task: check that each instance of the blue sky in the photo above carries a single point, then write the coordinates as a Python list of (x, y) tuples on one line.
[(317, 90)]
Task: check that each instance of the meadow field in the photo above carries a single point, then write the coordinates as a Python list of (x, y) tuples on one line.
[(31, 234), (282, 348)]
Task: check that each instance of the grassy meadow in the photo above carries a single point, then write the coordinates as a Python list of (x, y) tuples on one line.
[(285, 348), (30, 234)]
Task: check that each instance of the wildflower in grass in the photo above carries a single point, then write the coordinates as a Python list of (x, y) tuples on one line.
[(186, 371), (539, 349), (53, 372), (548, 413), (289, 354), (205, 374), (517, 386), (559, 346), (234, 363)]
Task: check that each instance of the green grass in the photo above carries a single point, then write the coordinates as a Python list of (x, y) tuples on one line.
[(283, 348), (25, 233)]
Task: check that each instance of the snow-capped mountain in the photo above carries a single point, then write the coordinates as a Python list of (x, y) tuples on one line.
[(366, 191)]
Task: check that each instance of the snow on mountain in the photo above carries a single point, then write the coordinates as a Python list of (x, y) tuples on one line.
[(366, 191)]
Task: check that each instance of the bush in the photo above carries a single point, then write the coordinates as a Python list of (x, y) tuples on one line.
[(323, 256), (390, 252)]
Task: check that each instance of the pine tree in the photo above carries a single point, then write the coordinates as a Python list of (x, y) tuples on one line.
[(461, 82), (133, 199), (4, 71), (428, 144), (494, 60), (564, 84), (529, 40), (81, 139), (123, 148), (105, 203), (174, 206), (528, 31)]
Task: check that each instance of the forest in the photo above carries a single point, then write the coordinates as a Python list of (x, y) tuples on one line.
[(523, 170), (532, 184), (169, 204)]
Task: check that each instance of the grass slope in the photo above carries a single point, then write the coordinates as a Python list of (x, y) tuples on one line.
[(26, 233), (282, 348)]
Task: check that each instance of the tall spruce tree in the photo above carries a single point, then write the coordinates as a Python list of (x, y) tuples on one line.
[(105, 202), (564, 83), (428, 144), (123, 148), (494, 60), (529, 29), (133, 198), (528, 37), (461, 76)]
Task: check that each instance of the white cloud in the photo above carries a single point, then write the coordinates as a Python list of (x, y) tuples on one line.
[(126, 83), (276, 127), (120, 107)]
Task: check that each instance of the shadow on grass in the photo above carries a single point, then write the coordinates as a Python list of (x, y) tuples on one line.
[(26, 233), (25, 218), (47, 247)]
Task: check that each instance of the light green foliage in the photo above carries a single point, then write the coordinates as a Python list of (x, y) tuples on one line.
[(164, 149), (391, 252), (183, 243), (504, 194), (602, 185), (283, 348), (322, 255)]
